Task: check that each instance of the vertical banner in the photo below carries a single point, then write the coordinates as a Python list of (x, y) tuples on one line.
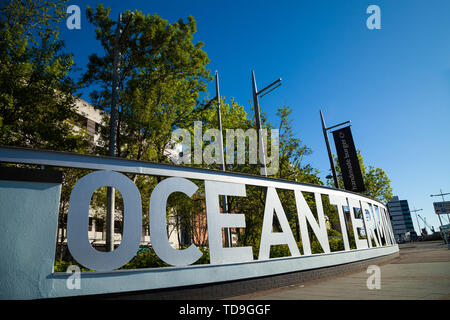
[(348, 160)]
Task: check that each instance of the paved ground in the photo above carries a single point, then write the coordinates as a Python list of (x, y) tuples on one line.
[(422, 271)]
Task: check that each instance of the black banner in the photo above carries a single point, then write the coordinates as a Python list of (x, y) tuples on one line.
[(348, 160)]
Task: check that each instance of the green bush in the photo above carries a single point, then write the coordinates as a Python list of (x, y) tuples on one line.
[(333, 233), (145, 259), (205, 257), (149, 259), (279, 251), (336, 244), (61, 266)]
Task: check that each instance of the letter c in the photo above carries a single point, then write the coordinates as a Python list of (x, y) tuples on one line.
[(158, 223)]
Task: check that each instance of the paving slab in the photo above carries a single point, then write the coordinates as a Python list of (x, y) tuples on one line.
[(421, 272)]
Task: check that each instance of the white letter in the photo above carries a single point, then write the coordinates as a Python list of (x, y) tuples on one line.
[(340, 202), (374, 21), (213, 147), (229, 146), (319, 229), (158, 222), (198, 142), (252, 145), (216, 221), (388, 232), (78, 218), (74, 21), (369, 224), (174, 151), (269, 238), (357, 223), (274, 152)]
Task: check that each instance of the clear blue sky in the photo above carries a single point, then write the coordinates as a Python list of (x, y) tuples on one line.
[(392, 83)]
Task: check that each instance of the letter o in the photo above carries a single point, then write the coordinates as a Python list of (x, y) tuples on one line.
[(78, 219)]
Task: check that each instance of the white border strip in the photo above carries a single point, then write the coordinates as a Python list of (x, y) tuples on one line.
[(72, 160), (171, 277)]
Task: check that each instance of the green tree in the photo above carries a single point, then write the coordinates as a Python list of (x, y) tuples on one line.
[(162, 73), (292, 153), (37, 95), (291, 167), (376, 181)]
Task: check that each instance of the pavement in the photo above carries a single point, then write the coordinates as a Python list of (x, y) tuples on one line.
[(420, 272)]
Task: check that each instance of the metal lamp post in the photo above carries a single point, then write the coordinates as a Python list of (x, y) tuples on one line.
[(442, 195), (418, 225), (256, 95), (111, 199), (227, 231), (439, 216)]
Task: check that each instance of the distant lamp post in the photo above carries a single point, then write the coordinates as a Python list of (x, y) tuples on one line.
[(439, 216), (441, 195), (418, 225), (227, 231)]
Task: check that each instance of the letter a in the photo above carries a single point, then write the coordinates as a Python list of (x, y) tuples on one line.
[(269, 238), (73, 21), (374, 20)]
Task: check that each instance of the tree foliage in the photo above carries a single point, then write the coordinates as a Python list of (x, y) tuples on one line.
[(376, 181), (162, 73), (37, 102)]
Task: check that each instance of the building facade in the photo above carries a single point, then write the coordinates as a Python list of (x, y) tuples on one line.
[(400, 218)]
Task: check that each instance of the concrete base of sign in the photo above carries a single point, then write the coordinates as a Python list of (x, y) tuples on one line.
[(229, 289), (93, 283)]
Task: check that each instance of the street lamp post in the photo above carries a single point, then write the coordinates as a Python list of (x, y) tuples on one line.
[(227, 231), (439, 216), (442, 195), (111, 199), (256, 95)]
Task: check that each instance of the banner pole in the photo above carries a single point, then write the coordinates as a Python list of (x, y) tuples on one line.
[(327, 142)]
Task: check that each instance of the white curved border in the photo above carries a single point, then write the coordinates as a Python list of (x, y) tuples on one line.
[(147, 279)]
